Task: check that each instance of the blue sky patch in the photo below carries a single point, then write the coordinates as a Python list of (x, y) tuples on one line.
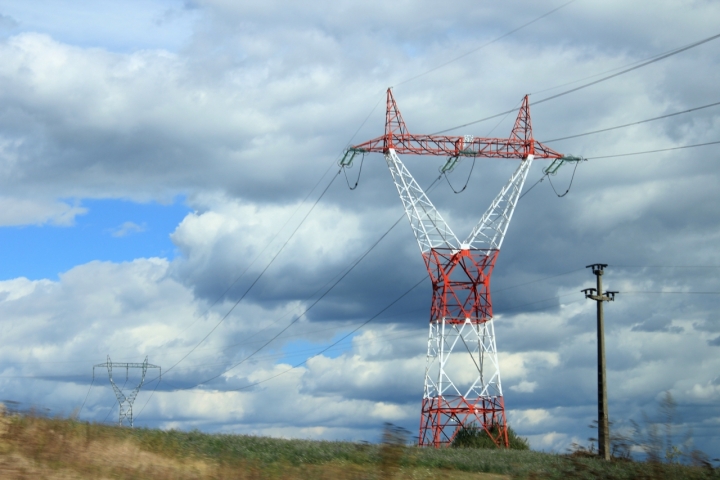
[(112, 230), (299, 350)]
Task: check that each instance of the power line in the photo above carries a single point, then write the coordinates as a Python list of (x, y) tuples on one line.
[(87, 395), (517, 307), (361, 326), (654, 151), (473, 122), (329, 346), (294, 321), (622, 72), (275, 337), (608, 77), (514, 308), (614, 156), (281, 248), (631, 124), (297, 353), (504, 113), (267, 245), (257, 278), (306, 310), (665, 266), (329, 329), (669, 292), (108, 414), (539, 280), (485, 45), (375, 244), (338, 341), (159, 379)]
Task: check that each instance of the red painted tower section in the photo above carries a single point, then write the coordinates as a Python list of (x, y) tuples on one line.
[(461, 293), (462, 376)]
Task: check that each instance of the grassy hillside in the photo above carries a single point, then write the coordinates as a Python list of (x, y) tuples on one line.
[(36, 447)]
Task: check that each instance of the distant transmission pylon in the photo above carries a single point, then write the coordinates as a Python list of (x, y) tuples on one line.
[(462, 376), (126, 401)]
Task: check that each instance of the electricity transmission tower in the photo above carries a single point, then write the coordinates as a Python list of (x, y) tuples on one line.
[(462, 374), (125, 401)]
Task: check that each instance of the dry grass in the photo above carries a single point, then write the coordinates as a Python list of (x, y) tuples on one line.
[(38, 447), (35, 447)]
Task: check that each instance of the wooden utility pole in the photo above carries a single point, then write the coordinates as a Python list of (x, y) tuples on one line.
[(595, 294)]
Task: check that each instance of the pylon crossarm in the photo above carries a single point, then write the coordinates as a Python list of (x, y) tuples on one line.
[(397, 137), (490, 231), (127, 365), (430, 230), (452, 147)]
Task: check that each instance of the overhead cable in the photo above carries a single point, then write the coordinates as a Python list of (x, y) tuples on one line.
[(485, 44), (276, 336), (631, 124), (663, 292), (595, 82), (338, 341), (258, 277), (664, 266), (323, 350), (347, 272), (622, 72), (654, 151)]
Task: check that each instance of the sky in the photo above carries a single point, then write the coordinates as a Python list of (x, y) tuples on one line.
[(169, 189)]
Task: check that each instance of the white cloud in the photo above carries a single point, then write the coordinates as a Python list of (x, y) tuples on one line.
[(16, 211), (255, 102), (127, 228), (524, 387)]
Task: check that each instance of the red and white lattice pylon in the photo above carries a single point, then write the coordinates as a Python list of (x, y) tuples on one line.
[(462, 376)]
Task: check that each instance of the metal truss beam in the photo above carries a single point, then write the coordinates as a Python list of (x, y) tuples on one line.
[(490, 231), (430, 230), (462, 373), (519, 145)]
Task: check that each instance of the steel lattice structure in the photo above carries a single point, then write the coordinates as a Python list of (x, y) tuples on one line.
[(462, 375), (125, 402)]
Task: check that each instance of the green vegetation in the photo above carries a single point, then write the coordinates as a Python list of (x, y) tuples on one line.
[(475, 437), (37, 447)]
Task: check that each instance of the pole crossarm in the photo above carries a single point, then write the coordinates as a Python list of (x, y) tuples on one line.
[(398, 138)]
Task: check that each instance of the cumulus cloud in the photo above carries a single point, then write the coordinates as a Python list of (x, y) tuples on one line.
[(34, 211), (247, 115)]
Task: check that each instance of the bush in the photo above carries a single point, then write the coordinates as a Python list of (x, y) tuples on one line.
[(476, 437)]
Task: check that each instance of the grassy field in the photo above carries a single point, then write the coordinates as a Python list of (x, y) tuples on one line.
[(37, 447)]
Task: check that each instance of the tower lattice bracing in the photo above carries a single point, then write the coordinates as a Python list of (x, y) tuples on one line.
[(126, 398), (462, 374)]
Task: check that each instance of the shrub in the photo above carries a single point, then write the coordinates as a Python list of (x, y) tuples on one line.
[(473, 436)]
